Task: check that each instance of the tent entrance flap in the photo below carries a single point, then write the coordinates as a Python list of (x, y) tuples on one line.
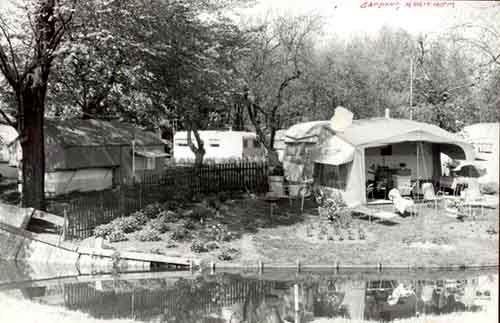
[(335, 151)]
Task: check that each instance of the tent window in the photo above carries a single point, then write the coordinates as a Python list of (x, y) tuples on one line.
[(484, 147), (386, 151), (331, 175)]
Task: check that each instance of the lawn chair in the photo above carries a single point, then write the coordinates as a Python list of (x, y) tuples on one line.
[(401, 204), (430, 195), (370, 190)]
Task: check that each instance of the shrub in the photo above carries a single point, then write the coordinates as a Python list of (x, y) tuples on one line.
[(211, 245), (218, 232), (223, 196), (180, 234), (201, 213), (198, 246), (170, 205), (190, 224), (116, 236), (148, 234), (140, 217), (152, 210), (159, 224), (227, 254), (103, 230), (169, 216), (126, 224)]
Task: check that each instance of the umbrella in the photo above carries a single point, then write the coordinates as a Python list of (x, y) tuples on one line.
[(469, 169)]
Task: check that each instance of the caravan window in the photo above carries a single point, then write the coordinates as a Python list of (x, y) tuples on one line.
[(331, 175), (214, 142), (181, 142)]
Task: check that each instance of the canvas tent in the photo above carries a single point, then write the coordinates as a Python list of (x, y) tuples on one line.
[(92, 155), (8, 151), (342, 159), (301, 141)]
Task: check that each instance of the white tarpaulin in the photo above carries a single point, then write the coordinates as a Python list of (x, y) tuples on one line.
[(335, 151)]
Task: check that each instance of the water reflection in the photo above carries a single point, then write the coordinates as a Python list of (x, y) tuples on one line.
[(283, 297)]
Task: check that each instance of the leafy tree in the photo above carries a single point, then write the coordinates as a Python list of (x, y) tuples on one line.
[(28, 47)]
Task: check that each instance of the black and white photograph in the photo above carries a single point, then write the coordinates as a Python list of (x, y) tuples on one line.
[(249, 161)]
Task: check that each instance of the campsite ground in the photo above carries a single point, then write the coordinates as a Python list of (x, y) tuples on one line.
[(429, 239)]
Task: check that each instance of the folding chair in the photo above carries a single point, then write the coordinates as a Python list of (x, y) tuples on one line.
[(430, 195)]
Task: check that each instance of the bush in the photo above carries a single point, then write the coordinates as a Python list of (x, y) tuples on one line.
[(201, 213), (198, 246), (227, 254), (148, 234), (159, 224), (152, 210), (190, 224), (223, 196), (103, 230), (116, 236), (218, 233), (140, 217), (126, 224), (180, 234), (170, 205), (119, 225)]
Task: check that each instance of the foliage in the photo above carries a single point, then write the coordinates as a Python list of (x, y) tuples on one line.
[(198, 246), (227, 253), (159, 224), (180, 233), (123, 224), (218, 232), (148, 233), (117, 236)]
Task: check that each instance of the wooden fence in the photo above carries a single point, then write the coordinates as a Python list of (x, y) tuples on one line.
[(86, 211)]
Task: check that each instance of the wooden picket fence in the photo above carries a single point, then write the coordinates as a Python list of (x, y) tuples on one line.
[(86, 211)]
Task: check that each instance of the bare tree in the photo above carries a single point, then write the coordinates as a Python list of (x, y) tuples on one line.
[(277, 59)]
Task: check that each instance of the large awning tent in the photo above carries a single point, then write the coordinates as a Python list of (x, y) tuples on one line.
[(341, 160)]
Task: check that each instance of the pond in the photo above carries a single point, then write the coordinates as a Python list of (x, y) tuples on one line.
[(277, 295)]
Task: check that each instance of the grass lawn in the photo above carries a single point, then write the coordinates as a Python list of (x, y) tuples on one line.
[(429, 239)]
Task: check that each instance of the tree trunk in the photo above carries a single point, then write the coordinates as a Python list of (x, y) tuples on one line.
[(33, 145)]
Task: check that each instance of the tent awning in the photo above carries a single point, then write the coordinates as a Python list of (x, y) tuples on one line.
[(152, 153), (335, 151)]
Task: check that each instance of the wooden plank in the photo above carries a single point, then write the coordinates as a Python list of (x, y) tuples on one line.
[(155, 258), (52, 218)]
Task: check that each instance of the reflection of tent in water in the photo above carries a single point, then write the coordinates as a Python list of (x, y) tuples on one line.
[(378, 302), (341, 158)]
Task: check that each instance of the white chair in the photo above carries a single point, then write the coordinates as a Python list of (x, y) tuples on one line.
[(401, 204), (430, 195)]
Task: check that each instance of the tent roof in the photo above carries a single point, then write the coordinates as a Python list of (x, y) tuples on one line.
[(384, 131), (77, 132), (305, 130)]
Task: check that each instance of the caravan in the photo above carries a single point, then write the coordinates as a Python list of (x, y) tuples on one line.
[(219, 146)]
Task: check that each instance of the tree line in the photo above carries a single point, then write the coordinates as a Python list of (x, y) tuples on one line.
[(150, 61)]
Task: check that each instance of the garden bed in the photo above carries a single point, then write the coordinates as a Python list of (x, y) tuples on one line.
[(242, 233)]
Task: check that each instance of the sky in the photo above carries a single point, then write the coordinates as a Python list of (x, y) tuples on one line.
[(345, 18)]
